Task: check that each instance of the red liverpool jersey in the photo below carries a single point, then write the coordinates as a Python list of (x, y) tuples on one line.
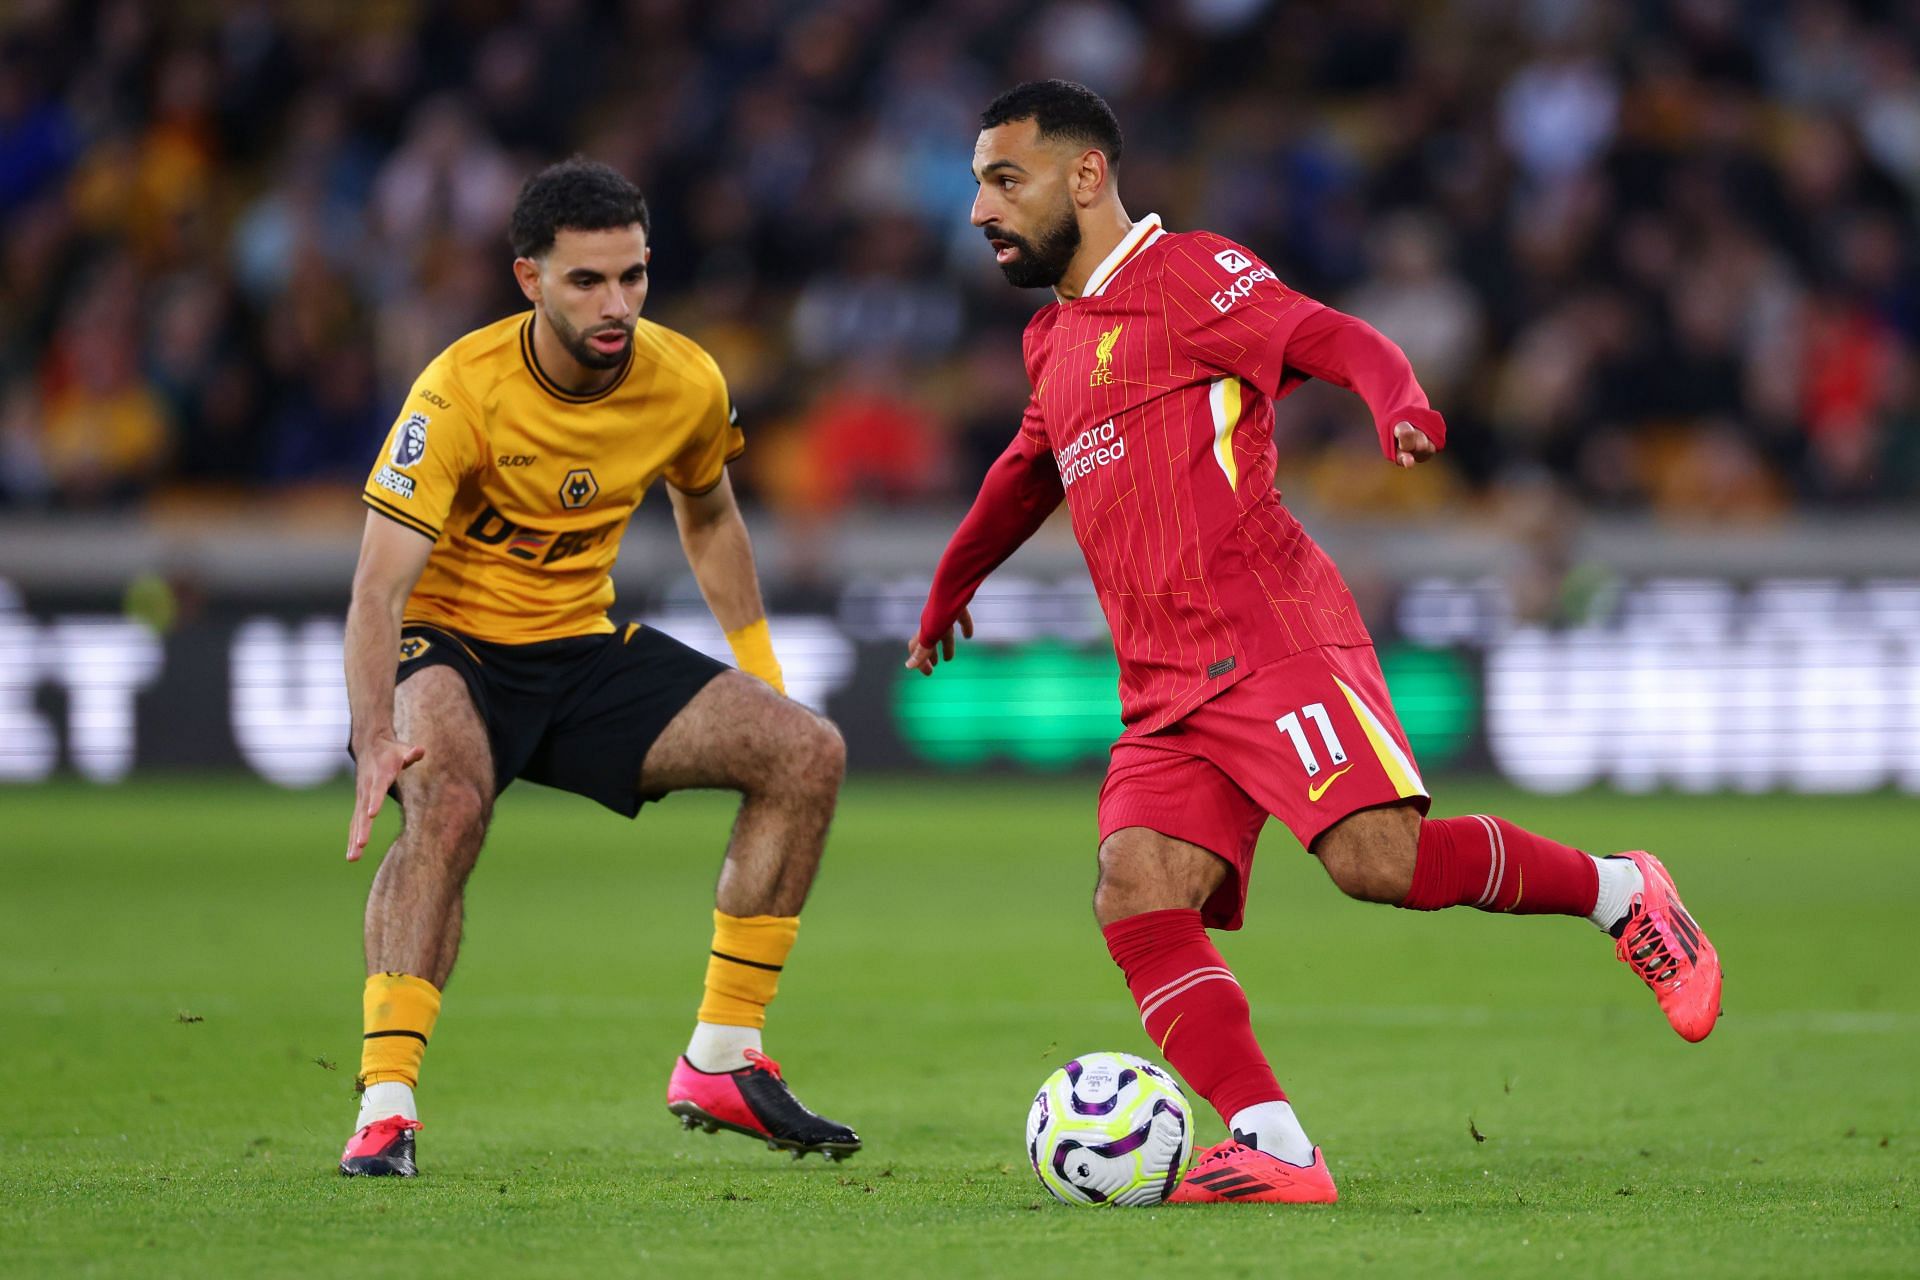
[(1152, 412)]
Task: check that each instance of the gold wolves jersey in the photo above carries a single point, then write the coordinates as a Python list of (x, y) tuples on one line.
[(525, 489)]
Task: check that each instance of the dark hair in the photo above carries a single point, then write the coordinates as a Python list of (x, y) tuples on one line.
[(574, 195), (1062, 109)]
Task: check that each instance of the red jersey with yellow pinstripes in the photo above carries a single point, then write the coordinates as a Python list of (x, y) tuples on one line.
[(1154, 393)]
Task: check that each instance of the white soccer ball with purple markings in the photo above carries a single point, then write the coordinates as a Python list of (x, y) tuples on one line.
[(1109, 1128)]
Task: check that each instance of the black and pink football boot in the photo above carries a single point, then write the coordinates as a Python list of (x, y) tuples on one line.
[(755, 1100)]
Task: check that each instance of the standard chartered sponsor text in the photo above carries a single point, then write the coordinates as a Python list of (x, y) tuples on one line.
[(1094, 447)]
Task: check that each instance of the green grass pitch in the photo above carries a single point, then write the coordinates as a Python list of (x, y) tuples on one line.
[(179, 1016)]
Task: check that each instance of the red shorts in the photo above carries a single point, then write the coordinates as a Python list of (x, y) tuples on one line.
[(1309, 739)]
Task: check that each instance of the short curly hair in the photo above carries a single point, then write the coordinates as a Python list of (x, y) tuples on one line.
[(1060, 109), (574, 195)]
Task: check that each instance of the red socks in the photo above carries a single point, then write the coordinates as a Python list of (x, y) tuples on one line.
[(1192, 1005), (1486, 862), (1193, 1008)]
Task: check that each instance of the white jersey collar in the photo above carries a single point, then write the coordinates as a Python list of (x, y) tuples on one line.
[(1142, 234)]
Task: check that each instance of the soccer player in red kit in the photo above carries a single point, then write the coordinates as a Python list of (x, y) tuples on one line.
[(1248, 683)]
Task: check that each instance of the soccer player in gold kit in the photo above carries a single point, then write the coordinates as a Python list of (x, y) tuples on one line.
[(495, 513)]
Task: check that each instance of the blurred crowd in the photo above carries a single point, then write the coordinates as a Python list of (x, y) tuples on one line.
[(1654, 255)]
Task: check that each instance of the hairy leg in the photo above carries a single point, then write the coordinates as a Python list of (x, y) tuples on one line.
[(1142, 870), (1371, 854), (739, 735), (414, 907)]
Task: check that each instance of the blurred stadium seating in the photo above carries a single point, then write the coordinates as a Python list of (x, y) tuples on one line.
[(1655, 261), (1662, 253)]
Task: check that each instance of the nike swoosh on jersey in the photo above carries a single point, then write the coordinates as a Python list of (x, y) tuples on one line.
[(1315, 792)]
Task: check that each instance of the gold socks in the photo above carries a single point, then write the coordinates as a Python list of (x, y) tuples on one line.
[(743, 973), (400, 1012)]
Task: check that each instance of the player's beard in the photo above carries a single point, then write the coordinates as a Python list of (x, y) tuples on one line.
[(585, 352), (1043, 260)]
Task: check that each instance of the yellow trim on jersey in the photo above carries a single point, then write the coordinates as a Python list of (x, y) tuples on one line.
[(1225, 400), (1400, 770)]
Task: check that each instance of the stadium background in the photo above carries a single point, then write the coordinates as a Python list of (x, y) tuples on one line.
[(1655, 261)]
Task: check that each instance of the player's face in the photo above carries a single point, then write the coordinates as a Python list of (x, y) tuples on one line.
[(590, 288), (1024, 205)]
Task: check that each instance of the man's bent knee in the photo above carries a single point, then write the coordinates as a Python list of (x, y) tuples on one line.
[(1370, 854), (810, 757), (1142, 870), (826, 749), (447, 811)]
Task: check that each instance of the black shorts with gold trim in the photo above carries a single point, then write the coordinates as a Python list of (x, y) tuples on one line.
[(579, 713)]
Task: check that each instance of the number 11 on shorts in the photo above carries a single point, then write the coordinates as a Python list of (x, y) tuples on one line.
[(1289, 724)]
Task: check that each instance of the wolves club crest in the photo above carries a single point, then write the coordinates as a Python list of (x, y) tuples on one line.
[(578, 489)]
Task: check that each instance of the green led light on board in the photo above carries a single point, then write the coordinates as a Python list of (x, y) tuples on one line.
[(1048, 706), (1043, 705), (1436, 699)]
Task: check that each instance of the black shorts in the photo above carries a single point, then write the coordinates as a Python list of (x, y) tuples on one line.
[(579, 713)]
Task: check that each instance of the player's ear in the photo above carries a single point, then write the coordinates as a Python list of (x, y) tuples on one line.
[(1092, 177), (527, 272)]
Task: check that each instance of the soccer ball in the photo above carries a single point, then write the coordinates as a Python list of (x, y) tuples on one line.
[(1109, 1128)]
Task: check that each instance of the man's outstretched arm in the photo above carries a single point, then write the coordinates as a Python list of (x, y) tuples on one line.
[(1275, 338), (1348, 352), (1020, 491)]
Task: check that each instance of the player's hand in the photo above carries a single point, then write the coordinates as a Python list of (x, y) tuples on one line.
[(923, 658), (1410, 445), (379, 763)]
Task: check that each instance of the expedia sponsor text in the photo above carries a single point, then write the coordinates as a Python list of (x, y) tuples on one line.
[(1223, 301)]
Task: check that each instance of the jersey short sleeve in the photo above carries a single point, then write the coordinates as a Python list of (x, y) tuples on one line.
[(1231, 313), (716, 440), (435, 443)]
